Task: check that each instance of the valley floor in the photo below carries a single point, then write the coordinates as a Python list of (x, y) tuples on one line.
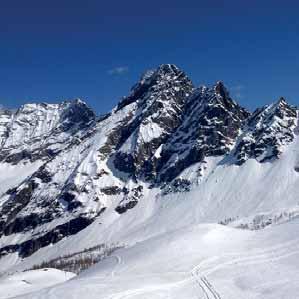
[(208, 261)]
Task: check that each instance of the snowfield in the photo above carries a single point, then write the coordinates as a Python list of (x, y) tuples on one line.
[(202, 261), (30, 281)]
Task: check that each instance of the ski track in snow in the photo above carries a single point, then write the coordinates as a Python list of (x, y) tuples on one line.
[(118, 262), (138, 273), (199, 276), (278, 252), (282, 253), (204, 284)]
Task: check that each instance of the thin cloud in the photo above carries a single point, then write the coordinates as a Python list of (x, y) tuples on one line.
[(237, 91), (238, 87), (119, 70)]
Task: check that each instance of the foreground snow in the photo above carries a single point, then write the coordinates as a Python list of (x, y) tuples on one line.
[(201, 261), (30, 281)]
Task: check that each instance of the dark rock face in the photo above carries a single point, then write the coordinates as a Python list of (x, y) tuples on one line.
[(70, 199), (177, 185), (266, 130), (25, 223), (212, 121), (160, 96), (124, 207), (112, 190), (26, 248), (17, 214), (130, 200), (77, 114), (15, 158), (124, 162), (18, 199), (44, 175)]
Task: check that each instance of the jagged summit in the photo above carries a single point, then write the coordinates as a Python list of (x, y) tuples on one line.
[(38, 128), (284, 108), (161, 70), (212, 121), (157, 80), (282, 100), (221, 90), (267, 130), (167, 69)]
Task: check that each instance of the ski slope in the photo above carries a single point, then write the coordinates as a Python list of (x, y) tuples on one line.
[(30, 281), (202, 261)]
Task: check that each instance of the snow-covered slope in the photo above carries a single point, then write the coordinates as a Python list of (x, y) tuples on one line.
[(166, 161), (200, 261), (31, 281), (41, 130)]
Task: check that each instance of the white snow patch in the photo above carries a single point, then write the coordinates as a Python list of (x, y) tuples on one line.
[(31, 281)]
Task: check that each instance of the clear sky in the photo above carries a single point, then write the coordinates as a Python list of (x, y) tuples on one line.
[(96, 49)]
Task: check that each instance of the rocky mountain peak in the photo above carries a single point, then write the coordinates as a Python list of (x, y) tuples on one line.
[(165, 77), (284, 109), (167, 69), (156, 104), (77, 112), (40, 129), (282, 100), (271, 114), (267, 129), (211, 123), (221, 90), (162, 70)]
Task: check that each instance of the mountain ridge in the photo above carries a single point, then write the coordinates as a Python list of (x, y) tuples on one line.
[(68, 169)]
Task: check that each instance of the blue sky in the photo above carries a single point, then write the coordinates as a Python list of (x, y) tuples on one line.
[(96, 50)]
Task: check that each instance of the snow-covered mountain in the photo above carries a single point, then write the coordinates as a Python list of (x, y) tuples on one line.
[(149, 176)]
